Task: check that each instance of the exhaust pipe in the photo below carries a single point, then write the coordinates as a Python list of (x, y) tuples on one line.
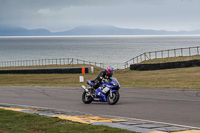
[(85, 88)]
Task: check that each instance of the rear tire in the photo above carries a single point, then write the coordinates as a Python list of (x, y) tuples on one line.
[(86, 99), (114, 99)]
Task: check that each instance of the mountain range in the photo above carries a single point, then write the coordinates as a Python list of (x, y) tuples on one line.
[(88, 30)]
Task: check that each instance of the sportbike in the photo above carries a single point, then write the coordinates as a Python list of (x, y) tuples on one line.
[(107, 92)]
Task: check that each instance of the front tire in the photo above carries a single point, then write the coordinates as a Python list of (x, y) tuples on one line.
[(114, 99), (86, 98)]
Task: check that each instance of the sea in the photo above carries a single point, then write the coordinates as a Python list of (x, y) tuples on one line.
[(111, 50)]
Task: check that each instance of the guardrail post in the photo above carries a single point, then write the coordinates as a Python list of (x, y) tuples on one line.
[(189, 52), (181, 52), (71, 61), (150, 55), (174, 52), (156, 55), (63, 61), (144, 56), (168, 53)]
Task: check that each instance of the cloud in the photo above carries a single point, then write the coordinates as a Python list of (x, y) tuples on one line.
[(66, 14), (44, 11)]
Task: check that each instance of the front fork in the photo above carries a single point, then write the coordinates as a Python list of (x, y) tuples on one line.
[(111, 93)]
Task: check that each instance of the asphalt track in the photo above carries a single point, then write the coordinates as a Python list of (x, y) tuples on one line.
[(177, 106)]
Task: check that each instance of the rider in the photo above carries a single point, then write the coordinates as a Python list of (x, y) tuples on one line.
[(105, 74)]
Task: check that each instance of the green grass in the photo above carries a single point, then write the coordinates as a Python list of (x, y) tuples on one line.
[(18, 122), (186, 78), (45, 79)]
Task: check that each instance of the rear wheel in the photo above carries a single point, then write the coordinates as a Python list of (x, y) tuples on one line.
[(114, 99), (86, 98)]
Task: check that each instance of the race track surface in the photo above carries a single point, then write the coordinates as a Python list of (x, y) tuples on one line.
[(177, 106)]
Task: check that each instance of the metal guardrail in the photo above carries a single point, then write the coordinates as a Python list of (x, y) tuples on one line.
[(189, 51), (44, 62)]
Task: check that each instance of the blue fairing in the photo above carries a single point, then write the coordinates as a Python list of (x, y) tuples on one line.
[(99, 94), (112, 84)]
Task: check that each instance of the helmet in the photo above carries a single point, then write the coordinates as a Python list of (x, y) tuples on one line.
[(110, 71)]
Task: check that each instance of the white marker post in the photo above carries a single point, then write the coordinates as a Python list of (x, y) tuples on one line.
[(81, 78)]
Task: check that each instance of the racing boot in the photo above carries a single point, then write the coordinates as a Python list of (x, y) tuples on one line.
[(92, 91)]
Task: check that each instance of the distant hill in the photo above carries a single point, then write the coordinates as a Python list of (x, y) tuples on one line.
[(88, 30), (112, 30), (108, 30), (19, 31)]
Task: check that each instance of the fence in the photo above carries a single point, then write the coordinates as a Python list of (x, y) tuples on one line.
[(44, 62), (189, 51)]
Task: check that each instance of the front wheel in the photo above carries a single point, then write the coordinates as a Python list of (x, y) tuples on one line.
[(87, 99), (114, 99)]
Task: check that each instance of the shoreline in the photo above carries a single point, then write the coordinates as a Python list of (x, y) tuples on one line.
[(189, 35)]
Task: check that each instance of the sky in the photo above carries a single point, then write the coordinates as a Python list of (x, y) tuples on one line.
[(62, 15)]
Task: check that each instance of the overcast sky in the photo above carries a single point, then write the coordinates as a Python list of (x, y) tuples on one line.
[(61, 15)]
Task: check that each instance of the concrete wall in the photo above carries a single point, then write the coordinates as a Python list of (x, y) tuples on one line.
[(47, 70), (167, 65)]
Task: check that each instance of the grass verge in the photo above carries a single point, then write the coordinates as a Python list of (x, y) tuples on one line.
[(18, 122), (186, 78)]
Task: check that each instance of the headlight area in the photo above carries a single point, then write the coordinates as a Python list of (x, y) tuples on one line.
[(114, 84)]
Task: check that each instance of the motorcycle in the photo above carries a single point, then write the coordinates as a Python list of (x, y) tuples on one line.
[(107, 92)]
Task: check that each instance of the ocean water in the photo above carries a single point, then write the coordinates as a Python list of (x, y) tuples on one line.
[(111, 50)]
